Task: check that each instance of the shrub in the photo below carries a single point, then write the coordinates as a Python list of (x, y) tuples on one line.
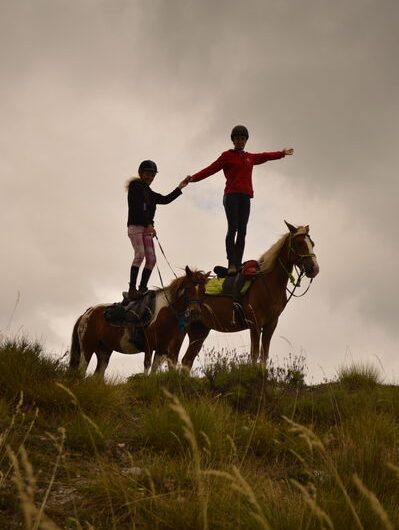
[(150, 388), (359, 375)]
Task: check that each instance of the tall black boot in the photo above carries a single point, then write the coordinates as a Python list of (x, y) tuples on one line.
[(145, 276), (134, 271), (239, 249), (130, 295)]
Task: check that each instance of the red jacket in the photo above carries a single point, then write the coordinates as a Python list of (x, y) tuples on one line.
[(237, 168)]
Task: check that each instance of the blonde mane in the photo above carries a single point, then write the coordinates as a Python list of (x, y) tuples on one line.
[(268, 258)]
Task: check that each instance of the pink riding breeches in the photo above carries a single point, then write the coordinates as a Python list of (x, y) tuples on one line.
[(143, 245)]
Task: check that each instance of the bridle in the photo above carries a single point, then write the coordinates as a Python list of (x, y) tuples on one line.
[(300, 270), (182, 316)]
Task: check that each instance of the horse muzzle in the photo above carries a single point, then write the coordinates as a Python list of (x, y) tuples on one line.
[(312, 271), (193, 312)]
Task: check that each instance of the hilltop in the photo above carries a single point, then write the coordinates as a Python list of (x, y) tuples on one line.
[(241, 447)]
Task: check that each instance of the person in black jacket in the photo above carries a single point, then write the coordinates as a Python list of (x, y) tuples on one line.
[(142, 201)]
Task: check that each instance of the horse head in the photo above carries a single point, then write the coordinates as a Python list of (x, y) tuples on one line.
[(190, 293), (301, 250)]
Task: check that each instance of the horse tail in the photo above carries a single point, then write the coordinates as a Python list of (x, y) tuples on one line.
[(74, 354)]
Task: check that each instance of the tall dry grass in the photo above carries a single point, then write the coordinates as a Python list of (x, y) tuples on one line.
[(238, 448)]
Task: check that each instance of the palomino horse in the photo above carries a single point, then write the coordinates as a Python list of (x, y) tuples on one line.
[(93, 334), (263, 303)]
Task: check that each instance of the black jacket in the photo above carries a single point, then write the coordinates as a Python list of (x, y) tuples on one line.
[(142, 202)]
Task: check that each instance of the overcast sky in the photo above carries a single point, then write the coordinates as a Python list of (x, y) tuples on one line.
[(88, 89)]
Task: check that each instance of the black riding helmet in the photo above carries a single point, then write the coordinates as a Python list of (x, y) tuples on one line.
[(148, 165), (239, 130)]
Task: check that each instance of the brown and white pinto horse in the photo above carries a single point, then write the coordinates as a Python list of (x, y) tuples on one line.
[(93, 334), (263, 303)]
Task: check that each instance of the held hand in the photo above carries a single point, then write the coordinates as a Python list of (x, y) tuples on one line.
[(288, 151), (151, 231), (184, 182)]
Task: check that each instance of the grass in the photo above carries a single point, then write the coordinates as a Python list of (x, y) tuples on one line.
[(359, 375), (240, 447)]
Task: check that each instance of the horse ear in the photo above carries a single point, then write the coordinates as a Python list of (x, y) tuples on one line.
[(307, 229), (188, 271), (208, 274), (290, 227)]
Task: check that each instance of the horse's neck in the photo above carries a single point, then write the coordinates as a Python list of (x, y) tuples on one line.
[(171, 299), (279, 274)]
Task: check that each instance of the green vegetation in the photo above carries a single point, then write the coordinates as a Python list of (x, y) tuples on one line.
[(240, 447), (359, 375)]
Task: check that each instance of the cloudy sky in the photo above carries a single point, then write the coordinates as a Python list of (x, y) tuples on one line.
[(88, 89)]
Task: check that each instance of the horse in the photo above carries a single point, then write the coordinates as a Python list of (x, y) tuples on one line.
[(181, 300), (262, 304)]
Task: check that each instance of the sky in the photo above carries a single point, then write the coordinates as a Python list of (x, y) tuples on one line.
[(89, 89)]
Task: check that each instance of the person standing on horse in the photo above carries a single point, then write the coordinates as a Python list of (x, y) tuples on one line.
[(142, 202), (237, 167)]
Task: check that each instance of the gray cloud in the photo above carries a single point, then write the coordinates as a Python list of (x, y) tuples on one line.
[(89, 90)]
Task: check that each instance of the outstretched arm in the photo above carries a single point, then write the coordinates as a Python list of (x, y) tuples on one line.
[(166, 199), (260, 158), (208, 171)]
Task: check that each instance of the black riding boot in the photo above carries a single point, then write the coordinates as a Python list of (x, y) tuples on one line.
[(145, 276), (134, 271), (131, 294), (232, 269)]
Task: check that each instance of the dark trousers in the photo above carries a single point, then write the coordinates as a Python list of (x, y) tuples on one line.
[(237, 207)]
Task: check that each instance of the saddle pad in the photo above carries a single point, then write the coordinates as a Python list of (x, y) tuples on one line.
[(214, 286)]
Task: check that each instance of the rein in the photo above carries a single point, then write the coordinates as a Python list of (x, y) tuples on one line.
[(166, 259), (181, 317), (298, 284)]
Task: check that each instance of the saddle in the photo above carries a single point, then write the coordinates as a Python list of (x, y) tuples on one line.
[(135, 316), (233, 286)]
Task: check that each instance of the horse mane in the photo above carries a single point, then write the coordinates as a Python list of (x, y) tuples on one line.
[(268, 258), (173, 288)]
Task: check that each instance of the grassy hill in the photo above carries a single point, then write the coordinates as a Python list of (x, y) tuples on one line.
[(238, 448)]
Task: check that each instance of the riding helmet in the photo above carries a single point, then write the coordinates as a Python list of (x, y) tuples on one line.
[(148, 165), (240, 130)]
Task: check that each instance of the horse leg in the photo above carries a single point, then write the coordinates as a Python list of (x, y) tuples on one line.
[(197, 333), (167, 351), (173, 349), (255, 338), (102, 362), (267, 333), (84, 344), (156, 363), (86, 353), (147, 360)]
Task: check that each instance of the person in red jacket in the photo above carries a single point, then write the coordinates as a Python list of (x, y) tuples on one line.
[(237, 167)]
